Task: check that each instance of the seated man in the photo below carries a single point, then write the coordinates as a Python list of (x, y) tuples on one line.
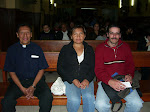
[(25, 63), (64, 33), (110, 57), (47, 33)]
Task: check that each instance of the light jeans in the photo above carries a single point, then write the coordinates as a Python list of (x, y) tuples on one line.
[(133, 101), (74, 94)]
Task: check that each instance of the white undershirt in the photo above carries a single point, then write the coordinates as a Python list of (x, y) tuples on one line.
[(81, 57), (147, 42), (65, 36)]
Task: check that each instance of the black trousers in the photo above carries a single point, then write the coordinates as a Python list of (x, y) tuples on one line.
[(13, 93)]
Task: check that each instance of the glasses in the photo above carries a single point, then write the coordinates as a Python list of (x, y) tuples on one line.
[(112, 33)]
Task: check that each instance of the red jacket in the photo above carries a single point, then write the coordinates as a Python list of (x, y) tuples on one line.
[(108, 61)]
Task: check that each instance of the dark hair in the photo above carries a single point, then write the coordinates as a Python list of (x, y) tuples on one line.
[(23, 24), (78, 26), (102, 32), (45, 24), (95, 24), (113, 25), (147, 34), (64, 24)]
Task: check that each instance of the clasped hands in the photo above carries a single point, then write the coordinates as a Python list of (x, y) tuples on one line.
[(82, 85), (28, 92), (117, 85)]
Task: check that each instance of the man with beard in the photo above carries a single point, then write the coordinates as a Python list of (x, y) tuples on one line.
[(114, 56)]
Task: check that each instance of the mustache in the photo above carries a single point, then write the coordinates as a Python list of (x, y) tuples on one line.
[(114, 38)]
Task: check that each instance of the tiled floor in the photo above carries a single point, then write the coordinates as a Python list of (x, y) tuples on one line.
[(51, 77)]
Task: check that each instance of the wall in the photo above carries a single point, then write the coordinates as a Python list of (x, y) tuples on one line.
[(2, 3), (14, 12)]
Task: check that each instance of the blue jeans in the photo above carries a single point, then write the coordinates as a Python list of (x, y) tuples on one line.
[(74, 93), (133, 101)]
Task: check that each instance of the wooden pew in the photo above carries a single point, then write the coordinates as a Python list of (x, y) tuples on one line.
[(56, 45), (141, 59), (0, 45)]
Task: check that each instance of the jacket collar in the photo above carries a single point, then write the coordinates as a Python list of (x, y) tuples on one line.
[(119, 43), (84, 43)]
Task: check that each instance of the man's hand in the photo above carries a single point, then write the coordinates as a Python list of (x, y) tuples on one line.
[(116, 84), (148, 43), (77, 83), (128, 78), (24, 90), (84, 84), (30, 92)]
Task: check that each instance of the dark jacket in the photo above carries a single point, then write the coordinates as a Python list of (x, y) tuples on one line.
[(47, 36), (69, 68), (59, 35), (92, 36), (142, 45)]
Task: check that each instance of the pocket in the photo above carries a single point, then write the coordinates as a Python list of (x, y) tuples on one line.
[(34, 63)]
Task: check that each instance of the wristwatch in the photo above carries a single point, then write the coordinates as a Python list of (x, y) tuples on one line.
[(33, 86)]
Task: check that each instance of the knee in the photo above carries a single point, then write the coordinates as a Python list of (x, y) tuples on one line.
[(136, 104), (74, 100), (101, 105), (8, 101), (89, 97), (47, 96)]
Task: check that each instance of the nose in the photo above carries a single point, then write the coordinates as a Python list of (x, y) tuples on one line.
[(78, 35), (25, 34)]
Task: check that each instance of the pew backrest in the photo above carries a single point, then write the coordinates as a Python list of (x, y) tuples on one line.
[(141, 59), (56, 45)]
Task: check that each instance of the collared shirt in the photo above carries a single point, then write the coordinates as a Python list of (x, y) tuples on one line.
[(25, 61), (65, 35), (147, 42)]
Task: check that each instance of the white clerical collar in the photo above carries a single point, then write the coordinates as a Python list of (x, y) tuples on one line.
[(24, 46), (47, 32)]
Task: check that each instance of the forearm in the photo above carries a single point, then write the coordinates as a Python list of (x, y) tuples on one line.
[(16, 80), (147, 44), (38, 77)]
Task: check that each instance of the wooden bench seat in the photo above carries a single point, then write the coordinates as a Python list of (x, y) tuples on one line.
[(62, 100), (56, 45), (141, 59)]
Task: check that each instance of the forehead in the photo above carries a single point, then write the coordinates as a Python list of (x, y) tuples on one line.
[(63, 25), (45, 26), (96, 25), (114, 29), (24, 28), (78, 29)]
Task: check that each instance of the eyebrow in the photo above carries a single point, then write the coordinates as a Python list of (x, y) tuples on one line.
[(113, 32)]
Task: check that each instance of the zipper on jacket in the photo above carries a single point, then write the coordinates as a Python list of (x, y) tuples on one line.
[(115, 53), (78, 68), (85, 50)]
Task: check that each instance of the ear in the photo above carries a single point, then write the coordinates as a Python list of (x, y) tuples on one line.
[(84, 36), (31, 34), (107, 34), (120, 36), (17, 34)]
